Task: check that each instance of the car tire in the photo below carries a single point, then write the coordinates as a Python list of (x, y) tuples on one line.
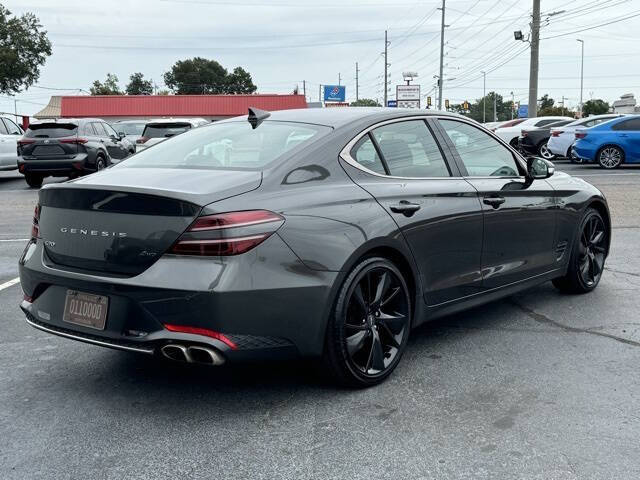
[(369, 326), (610, 157), (101, 163), (514, 143), (587, 256), (544, 152), (33, 180)]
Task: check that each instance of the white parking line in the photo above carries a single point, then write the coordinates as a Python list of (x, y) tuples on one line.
[(10, 283), (14, 240)]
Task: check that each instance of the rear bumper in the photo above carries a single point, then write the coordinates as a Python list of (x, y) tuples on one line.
[(586, 155), (54, 166), (266, 302), (556, 146)]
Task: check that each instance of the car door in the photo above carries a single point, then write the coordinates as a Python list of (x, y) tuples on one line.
[(627, 135), (436, 210), (118, 149), (8, 147), (519, 214)]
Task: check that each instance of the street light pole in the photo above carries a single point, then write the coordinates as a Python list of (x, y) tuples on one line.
[(484, 97), (441, 78), (533, 66), (581, 72), (513, 104)]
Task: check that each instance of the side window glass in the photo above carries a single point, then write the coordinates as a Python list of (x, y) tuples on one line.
[(109, 129), (366, 155), (12, 128), (3, 129), (542, 123), (99, 130), (87, 129), (481, 154), (409, 150)]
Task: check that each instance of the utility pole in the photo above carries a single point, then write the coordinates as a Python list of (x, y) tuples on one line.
[(513, 104), (386, 65), (495, 114), (484, 97), (15, 108), (441, 78), (533, 65), (357, 81), (304, 89), (339, 78), (320, 93), (581, 74)]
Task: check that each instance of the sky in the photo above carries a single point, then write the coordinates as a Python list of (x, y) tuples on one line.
[(283, 42)]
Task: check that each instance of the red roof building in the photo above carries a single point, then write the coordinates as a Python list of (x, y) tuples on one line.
[(124, 107)]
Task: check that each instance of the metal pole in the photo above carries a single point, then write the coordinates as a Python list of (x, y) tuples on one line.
[(581, 73), (484, 97), (15, 108), (339, 78), (441, 78), (386, 44), (320, 93), (495, 114), (304, 89), (513, 104), (533, 65), (357, 81)]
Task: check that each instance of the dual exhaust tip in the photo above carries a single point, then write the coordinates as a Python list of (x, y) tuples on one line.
[(192, 354)]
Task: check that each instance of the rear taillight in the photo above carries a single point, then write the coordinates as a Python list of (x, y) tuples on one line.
[(556, 133), (201, 331), (35, 230), (141, 140), (26, 141), (227, 234), (74, 140), (581, 134)]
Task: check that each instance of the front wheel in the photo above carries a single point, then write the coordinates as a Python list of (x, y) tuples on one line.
[(610, 157), (544, 152), (587, 257), (33, 180), (369, 327)]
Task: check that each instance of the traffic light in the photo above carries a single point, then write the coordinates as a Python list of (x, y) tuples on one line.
[(428, 101), (446, 104), (466, 105)]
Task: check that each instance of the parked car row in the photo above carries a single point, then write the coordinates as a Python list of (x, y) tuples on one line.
[(75, 147), (610, 143)]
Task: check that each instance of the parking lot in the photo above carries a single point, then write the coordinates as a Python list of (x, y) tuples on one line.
[(538, 386)]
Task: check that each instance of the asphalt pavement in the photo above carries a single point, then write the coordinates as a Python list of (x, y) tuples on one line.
[(538, 386)]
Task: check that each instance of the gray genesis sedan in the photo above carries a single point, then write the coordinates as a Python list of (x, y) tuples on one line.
[(325, 233)]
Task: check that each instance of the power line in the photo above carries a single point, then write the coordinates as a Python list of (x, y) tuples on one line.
[(636, 14)]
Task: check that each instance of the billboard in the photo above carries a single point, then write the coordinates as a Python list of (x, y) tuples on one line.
[(523, 111), (334, 93), (408, 96), (392, 103)]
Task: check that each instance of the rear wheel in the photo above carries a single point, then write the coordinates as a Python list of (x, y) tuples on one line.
[(610, 157), (33, 180), (370, 324), (544, 152), (587, 257)]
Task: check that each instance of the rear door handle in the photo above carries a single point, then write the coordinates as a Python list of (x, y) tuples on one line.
[(405, 208), (495, 202)]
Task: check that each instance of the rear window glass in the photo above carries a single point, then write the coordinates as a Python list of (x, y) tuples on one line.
[(233, 145), (165, 130), (129, 128), (51, 130)]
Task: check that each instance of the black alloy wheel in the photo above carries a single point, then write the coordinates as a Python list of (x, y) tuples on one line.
[(371, 323), (587, 259), (33, 180), (100, 164)]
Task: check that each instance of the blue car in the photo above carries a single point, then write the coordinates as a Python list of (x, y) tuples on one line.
[(611, 143)]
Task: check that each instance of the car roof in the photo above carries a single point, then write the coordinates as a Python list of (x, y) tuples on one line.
[(192, 121), (74, 121), (339, 116)]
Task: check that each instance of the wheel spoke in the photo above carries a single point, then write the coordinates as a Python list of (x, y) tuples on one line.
[(392, 338), (356, 342), (381, 289), (598, 249), (395, 321), (360, 326), (376, 355), (357, 292), (597, 237), (390, 297)]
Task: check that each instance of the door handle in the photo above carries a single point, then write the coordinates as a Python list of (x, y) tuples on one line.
[(495, 202), (405, 208)]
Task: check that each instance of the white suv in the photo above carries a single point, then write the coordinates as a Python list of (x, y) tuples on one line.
[(10, 133), (156, 131), (511, 134), (563, 137)]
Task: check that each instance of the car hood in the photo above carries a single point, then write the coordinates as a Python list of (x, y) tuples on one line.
[(200, 186)]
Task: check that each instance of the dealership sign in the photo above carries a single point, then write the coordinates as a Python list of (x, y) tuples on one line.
[(392, 103), (334, 93), (408, 96)]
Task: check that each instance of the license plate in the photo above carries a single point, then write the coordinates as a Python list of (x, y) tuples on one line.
[(86, 309)]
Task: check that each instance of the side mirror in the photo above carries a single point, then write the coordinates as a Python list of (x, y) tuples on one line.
[(539, 168), (121, 135)]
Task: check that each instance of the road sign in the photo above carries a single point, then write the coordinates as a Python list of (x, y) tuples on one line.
[(336, 104), (523, 111), (334, 93), (408, 103), (392, 103), (407, 92)]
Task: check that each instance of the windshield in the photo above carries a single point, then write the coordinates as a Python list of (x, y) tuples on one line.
[(51, 130), (230, 145), (129, 128), (165, 130)]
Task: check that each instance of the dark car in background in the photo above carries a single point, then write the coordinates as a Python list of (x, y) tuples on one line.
[(318, 232), (533, 141), (130, 130), (67, 148)]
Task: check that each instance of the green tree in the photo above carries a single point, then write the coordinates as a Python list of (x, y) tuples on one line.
[(24, 47), (545, 102), (483, 108), (555, 112), (365, 102), (202, 76), (595, 107), (138, 85), (108, 87)]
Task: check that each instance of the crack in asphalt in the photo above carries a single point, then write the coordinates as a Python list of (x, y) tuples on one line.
[(541, 318), (633, 274)]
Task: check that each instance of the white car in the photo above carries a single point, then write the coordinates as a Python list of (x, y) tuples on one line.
[(511, 134), (157, 131), (10, 133), (563, 137)]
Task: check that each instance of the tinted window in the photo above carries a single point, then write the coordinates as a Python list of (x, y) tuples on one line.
[(110, 131), (165, 130), (559, 124), (12, 128), (409, 150), (51, 130), (366, 155), (233, 145), (481, 154), (3, 129), (542, 123), (631, 124), (87, 129), (129, 128)]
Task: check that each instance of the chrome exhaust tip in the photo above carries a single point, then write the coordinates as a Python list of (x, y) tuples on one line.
[(205, 355), (175, 352)]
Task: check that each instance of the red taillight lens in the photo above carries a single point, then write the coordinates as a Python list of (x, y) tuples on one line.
[(142, 140), (210, 235), (556, 133), (201, 331), (26, 141), (580, 134), (75, 140), (27, 298), (35, 229)]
